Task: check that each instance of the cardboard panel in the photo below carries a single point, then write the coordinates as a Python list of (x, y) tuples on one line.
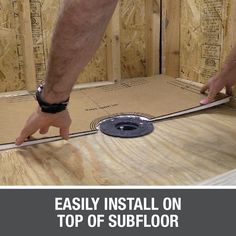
[(153, 98)]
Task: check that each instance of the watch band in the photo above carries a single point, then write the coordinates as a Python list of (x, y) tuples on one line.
[(47, 107)]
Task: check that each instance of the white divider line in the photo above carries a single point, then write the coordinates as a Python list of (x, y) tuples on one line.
[(195, 109), (53, 139), (41, 141)]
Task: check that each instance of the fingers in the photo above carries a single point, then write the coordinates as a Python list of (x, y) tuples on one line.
[(28, 131), (204, 88), (211, 96), (25, 133), (40, 121), (44, 130), (214, 90), (64, 125), (204, 101), (64, 132)]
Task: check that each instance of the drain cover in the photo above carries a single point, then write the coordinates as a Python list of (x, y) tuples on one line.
[(126, 126)]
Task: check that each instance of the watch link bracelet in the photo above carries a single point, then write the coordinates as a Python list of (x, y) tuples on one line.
[(47, 107)]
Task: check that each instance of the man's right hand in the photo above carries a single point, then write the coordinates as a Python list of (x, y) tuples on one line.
[(215, 85), (42, 121)]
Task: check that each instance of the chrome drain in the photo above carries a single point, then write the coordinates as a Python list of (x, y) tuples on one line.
[(126, 126)]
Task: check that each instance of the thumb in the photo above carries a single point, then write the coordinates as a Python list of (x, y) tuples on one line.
[(210, 98), (204, 88), (25, 133)]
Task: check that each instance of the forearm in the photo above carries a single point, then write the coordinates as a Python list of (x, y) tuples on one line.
[(78, 33)]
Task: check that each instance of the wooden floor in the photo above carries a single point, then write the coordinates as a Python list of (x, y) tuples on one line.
[(183, 151), (226, 179)]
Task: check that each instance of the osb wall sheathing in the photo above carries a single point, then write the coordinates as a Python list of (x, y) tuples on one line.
[(43, 16), (96, 70), (11, 58), (132, 34), (205, 37)]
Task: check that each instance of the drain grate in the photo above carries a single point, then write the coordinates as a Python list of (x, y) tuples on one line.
[(126, 126)]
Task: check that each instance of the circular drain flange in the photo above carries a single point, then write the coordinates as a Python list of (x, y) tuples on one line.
[(126, 127)]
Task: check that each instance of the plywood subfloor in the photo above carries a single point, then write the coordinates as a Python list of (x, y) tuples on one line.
[(150, 97), (182, 151), (226, 179)]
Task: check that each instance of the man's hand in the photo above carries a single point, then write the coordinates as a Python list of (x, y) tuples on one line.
[(42, 121), (79, 30), (215, 85)]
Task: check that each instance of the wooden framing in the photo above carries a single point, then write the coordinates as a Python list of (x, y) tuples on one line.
[(113, 47), (29, 66), (162, 35), (153, 21), (171, 37), (145, 50), (92, 85), (230, 30), (112, 40)]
